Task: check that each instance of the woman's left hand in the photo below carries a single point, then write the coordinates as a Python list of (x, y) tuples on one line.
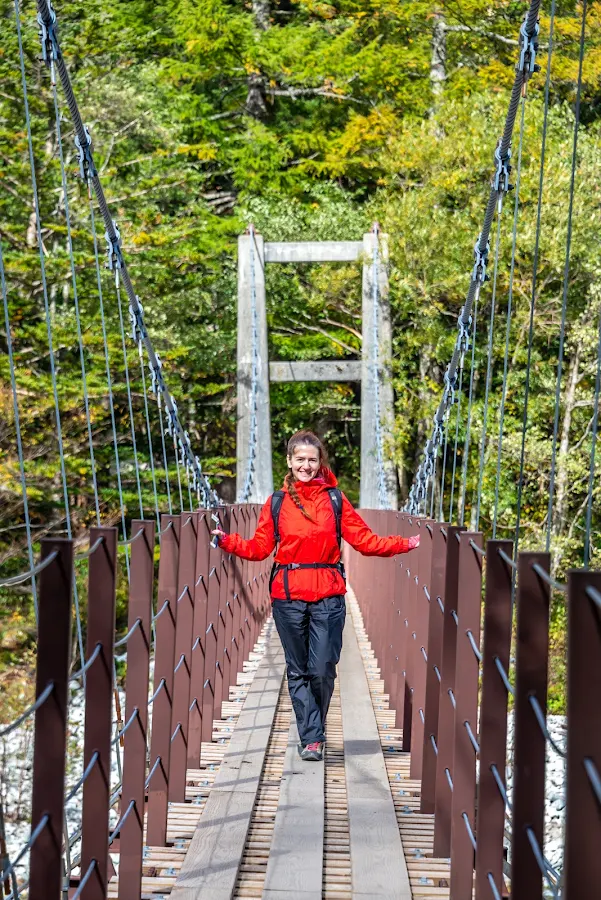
[(413, 542), (219, 535)]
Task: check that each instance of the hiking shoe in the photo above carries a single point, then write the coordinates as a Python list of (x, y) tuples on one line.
[(312, 752)]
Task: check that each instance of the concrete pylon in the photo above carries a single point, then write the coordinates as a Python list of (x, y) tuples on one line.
[(251, 291), (376, 364)]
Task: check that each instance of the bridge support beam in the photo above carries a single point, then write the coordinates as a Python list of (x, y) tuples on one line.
[(253, 437), (373, 370), (376, 379)]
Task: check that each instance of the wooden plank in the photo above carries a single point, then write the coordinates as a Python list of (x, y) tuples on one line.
[(211, 865), (295, 867), (377, 858)]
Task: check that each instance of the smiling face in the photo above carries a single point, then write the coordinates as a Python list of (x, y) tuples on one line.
[(305, 462)]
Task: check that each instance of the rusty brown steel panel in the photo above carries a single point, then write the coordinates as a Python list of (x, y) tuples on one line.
[(400, 632), (99, 712), (446, 710), (493, 718), (392, 626), (244, 596), (532, 651), (423, 559), (180, 710), (388, 613), (208, 685), (136, 707), (467, 674), (221, 625), (435, 629), (160, 744), (197, 667), (235, 606), (409, 588), (50, 728), (583, 820)]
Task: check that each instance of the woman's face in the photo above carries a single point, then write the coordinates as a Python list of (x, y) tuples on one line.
[(304, 462)]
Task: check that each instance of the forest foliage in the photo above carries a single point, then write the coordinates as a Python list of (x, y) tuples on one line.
[(310, 120)]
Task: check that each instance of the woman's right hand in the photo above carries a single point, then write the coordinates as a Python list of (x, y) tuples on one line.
[(413, 542)]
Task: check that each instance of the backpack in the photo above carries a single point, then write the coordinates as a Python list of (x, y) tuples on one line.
[(277, 498)]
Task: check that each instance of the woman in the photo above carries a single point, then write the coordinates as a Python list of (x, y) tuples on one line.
[(308, 585)]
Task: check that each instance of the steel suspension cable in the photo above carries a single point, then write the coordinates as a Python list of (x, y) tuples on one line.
[(179, 477), (132, 423), (149, 433), (57, 414), (466, 448), (53, 54), (165, 461), (13, 383), (591, 476), (516, 210), (82, 359), (444, 463), (541, 180), (457, 419), (566, 277), (528, 44), (107, 365), (491, 332)]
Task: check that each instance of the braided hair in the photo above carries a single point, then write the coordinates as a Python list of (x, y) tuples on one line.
[(303, 437)]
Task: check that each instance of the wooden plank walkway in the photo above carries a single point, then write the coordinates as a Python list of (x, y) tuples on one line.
[(260, 823)]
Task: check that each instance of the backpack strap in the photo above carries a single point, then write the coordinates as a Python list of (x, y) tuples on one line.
[(277, 498), (336, 501)]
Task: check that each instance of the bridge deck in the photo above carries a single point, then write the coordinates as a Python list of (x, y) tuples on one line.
[(260, 823)]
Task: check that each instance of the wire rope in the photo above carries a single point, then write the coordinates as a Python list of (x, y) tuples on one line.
[(13, 383), (541, 179), (165, 461), (132, 422), (444, 463), (591, 477), (107, 365), (457, 420), (52, 52), (491, 331), (179, 477), (516, 210), (466, 446), (149, 434), (566, 276), (38, 222), (82, 359), (526, 66)]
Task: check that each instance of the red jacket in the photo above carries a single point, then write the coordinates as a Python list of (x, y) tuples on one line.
[(304, 541)]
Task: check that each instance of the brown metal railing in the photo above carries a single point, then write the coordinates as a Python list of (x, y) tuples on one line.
[(440, 621), (210, 610)]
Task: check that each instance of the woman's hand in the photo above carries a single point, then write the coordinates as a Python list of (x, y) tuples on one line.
[(413, 542), (219, 536)]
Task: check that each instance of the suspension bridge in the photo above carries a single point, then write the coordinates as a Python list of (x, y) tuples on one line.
[(189, 785)]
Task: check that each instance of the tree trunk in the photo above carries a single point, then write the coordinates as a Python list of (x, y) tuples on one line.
[(255, 99), (438, 60), (261, 11)]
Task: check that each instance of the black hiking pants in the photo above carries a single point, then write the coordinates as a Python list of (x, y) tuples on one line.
[(311, 635)]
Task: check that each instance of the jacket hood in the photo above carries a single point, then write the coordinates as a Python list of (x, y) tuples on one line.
[(325, 479)]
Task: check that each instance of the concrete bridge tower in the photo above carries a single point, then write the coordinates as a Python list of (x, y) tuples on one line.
[(254, 481)]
